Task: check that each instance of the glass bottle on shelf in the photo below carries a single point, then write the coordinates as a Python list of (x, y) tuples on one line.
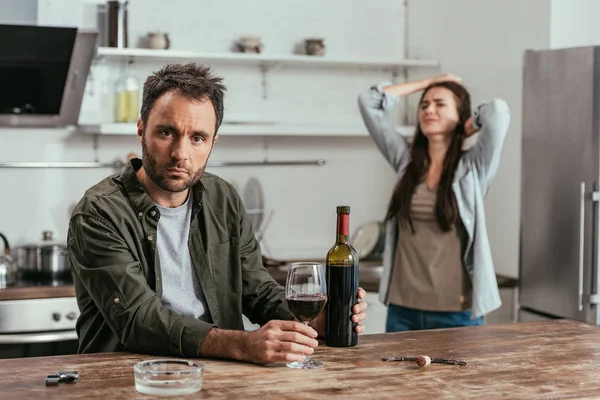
[(126, 96)]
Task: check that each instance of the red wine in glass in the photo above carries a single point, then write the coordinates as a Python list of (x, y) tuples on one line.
[(306, 295), (306, 307)]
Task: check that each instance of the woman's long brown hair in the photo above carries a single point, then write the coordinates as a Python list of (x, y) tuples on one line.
[(445, 209)]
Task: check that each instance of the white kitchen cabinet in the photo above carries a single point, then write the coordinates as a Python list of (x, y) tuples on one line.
[(376, 314), (507, 311)]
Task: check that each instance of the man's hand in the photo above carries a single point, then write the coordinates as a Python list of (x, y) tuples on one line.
[(279, 341), (359, 315), (359, 311)]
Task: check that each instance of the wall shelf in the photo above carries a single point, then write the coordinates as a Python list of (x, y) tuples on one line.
[(265, 60), (323, 130)]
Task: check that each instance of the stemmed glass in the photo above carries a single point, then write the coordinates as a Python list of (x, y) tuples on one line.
[(306, 295)]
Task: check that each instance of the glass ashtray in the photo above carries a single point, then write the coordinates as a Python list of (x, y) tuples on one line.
[(168, 377)]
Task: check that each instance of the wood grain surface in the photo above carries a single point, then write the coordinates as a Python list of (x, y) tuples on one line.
[(538, 360)]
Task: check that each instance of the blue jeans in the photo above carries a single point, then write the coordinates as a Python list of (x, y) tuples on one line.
[(408, 319)]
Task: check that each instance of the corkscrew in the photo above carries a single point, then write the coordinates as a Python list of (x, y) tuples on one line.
[(447, 361)]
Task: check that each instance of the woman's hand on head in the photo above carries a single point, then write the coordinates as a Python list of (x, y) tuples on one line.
[(469, 127), (447, 78)]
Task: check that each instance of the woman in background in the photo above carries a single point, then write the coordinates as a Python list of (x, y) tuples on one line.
[(438, 270)]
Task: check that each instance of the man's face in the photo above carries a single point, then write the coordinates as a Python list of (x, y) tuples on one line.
[(177, 141)]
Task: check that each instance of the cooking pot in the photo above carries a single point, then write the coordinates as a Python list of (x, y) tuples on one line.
[(45, 261), (8, 269)]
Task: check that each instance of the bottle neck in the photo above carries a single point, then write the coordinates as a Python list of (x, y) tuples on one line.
[(343, 228)]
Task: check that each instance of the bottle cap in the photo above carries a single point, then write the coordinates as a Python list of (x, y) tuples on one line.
[(343, 209)]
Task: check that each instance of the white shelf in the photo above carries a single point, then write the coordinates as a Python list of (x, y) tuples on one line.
[(256, 130), (261, 59)]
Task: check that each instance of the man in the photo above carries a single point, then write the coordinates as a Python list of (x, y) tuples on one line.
[(163, 255)]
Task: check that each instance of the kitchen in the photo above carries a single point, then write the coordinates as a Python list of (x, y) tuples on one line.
[(256, 102), (261, 99)]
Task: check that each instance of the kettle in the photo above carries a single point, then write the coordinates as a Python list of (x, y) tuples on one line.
[(8, 268)]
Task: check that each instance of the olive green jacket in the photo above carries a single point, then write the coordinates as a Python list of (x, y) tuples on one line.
[(116, 269)]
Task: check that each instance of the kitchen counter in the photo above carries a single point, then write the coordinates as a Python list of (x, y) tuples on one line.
[(369, 273), (36, 292), (550, 359)]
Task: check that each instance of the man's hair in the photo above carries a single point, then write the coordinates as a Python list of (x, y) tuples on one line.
[(190, 80)]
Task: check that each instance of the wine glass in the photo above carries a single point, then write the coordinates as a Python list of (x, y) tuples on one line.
[(306, 295)]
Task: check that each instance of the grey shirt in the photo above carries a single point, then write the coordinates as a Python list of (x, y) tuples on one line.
[(181, 290), (428, 272), (474, 173)]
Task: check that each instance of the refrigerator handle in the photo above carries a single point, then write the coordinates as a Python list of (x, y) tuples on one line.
[(594, 297), (581, 243)]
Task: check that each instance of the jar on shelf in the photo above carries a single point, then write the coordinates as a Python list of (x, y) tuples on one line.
[(127, 96)]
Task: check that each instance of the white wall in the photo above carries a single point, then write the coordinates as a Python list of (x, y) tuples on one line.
[(483, 42), (574, 23), (303, 198), (18, 12)]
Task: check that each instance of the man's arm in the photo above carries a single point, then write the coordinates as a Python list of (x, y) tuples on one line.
[(103, 262), (105, 266), (277, 341)]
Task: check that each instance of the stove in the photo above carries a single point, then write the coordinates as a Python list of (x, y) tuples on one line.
[(38, 319)]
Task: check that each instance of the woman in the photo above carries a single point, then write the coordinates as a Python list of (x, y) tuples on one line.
[(438, 270)]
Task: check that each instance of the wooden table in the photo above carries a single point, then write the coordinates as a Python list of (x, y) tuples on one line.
[(536, 360)]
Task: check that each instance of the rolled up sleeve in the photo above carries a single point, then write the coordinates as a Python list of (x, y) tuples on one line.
[(492, 118), (375, 106)]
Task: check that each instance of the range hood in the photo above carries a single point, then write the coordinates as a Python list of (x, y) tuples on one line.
[(43, 73)]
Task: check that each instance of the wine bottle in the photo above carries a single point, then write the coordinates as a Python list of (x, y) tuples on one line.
[(342, 285)]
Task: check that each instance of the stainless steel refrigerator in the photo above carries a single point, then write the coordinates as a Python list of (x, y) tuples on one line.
[(560, 237)]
